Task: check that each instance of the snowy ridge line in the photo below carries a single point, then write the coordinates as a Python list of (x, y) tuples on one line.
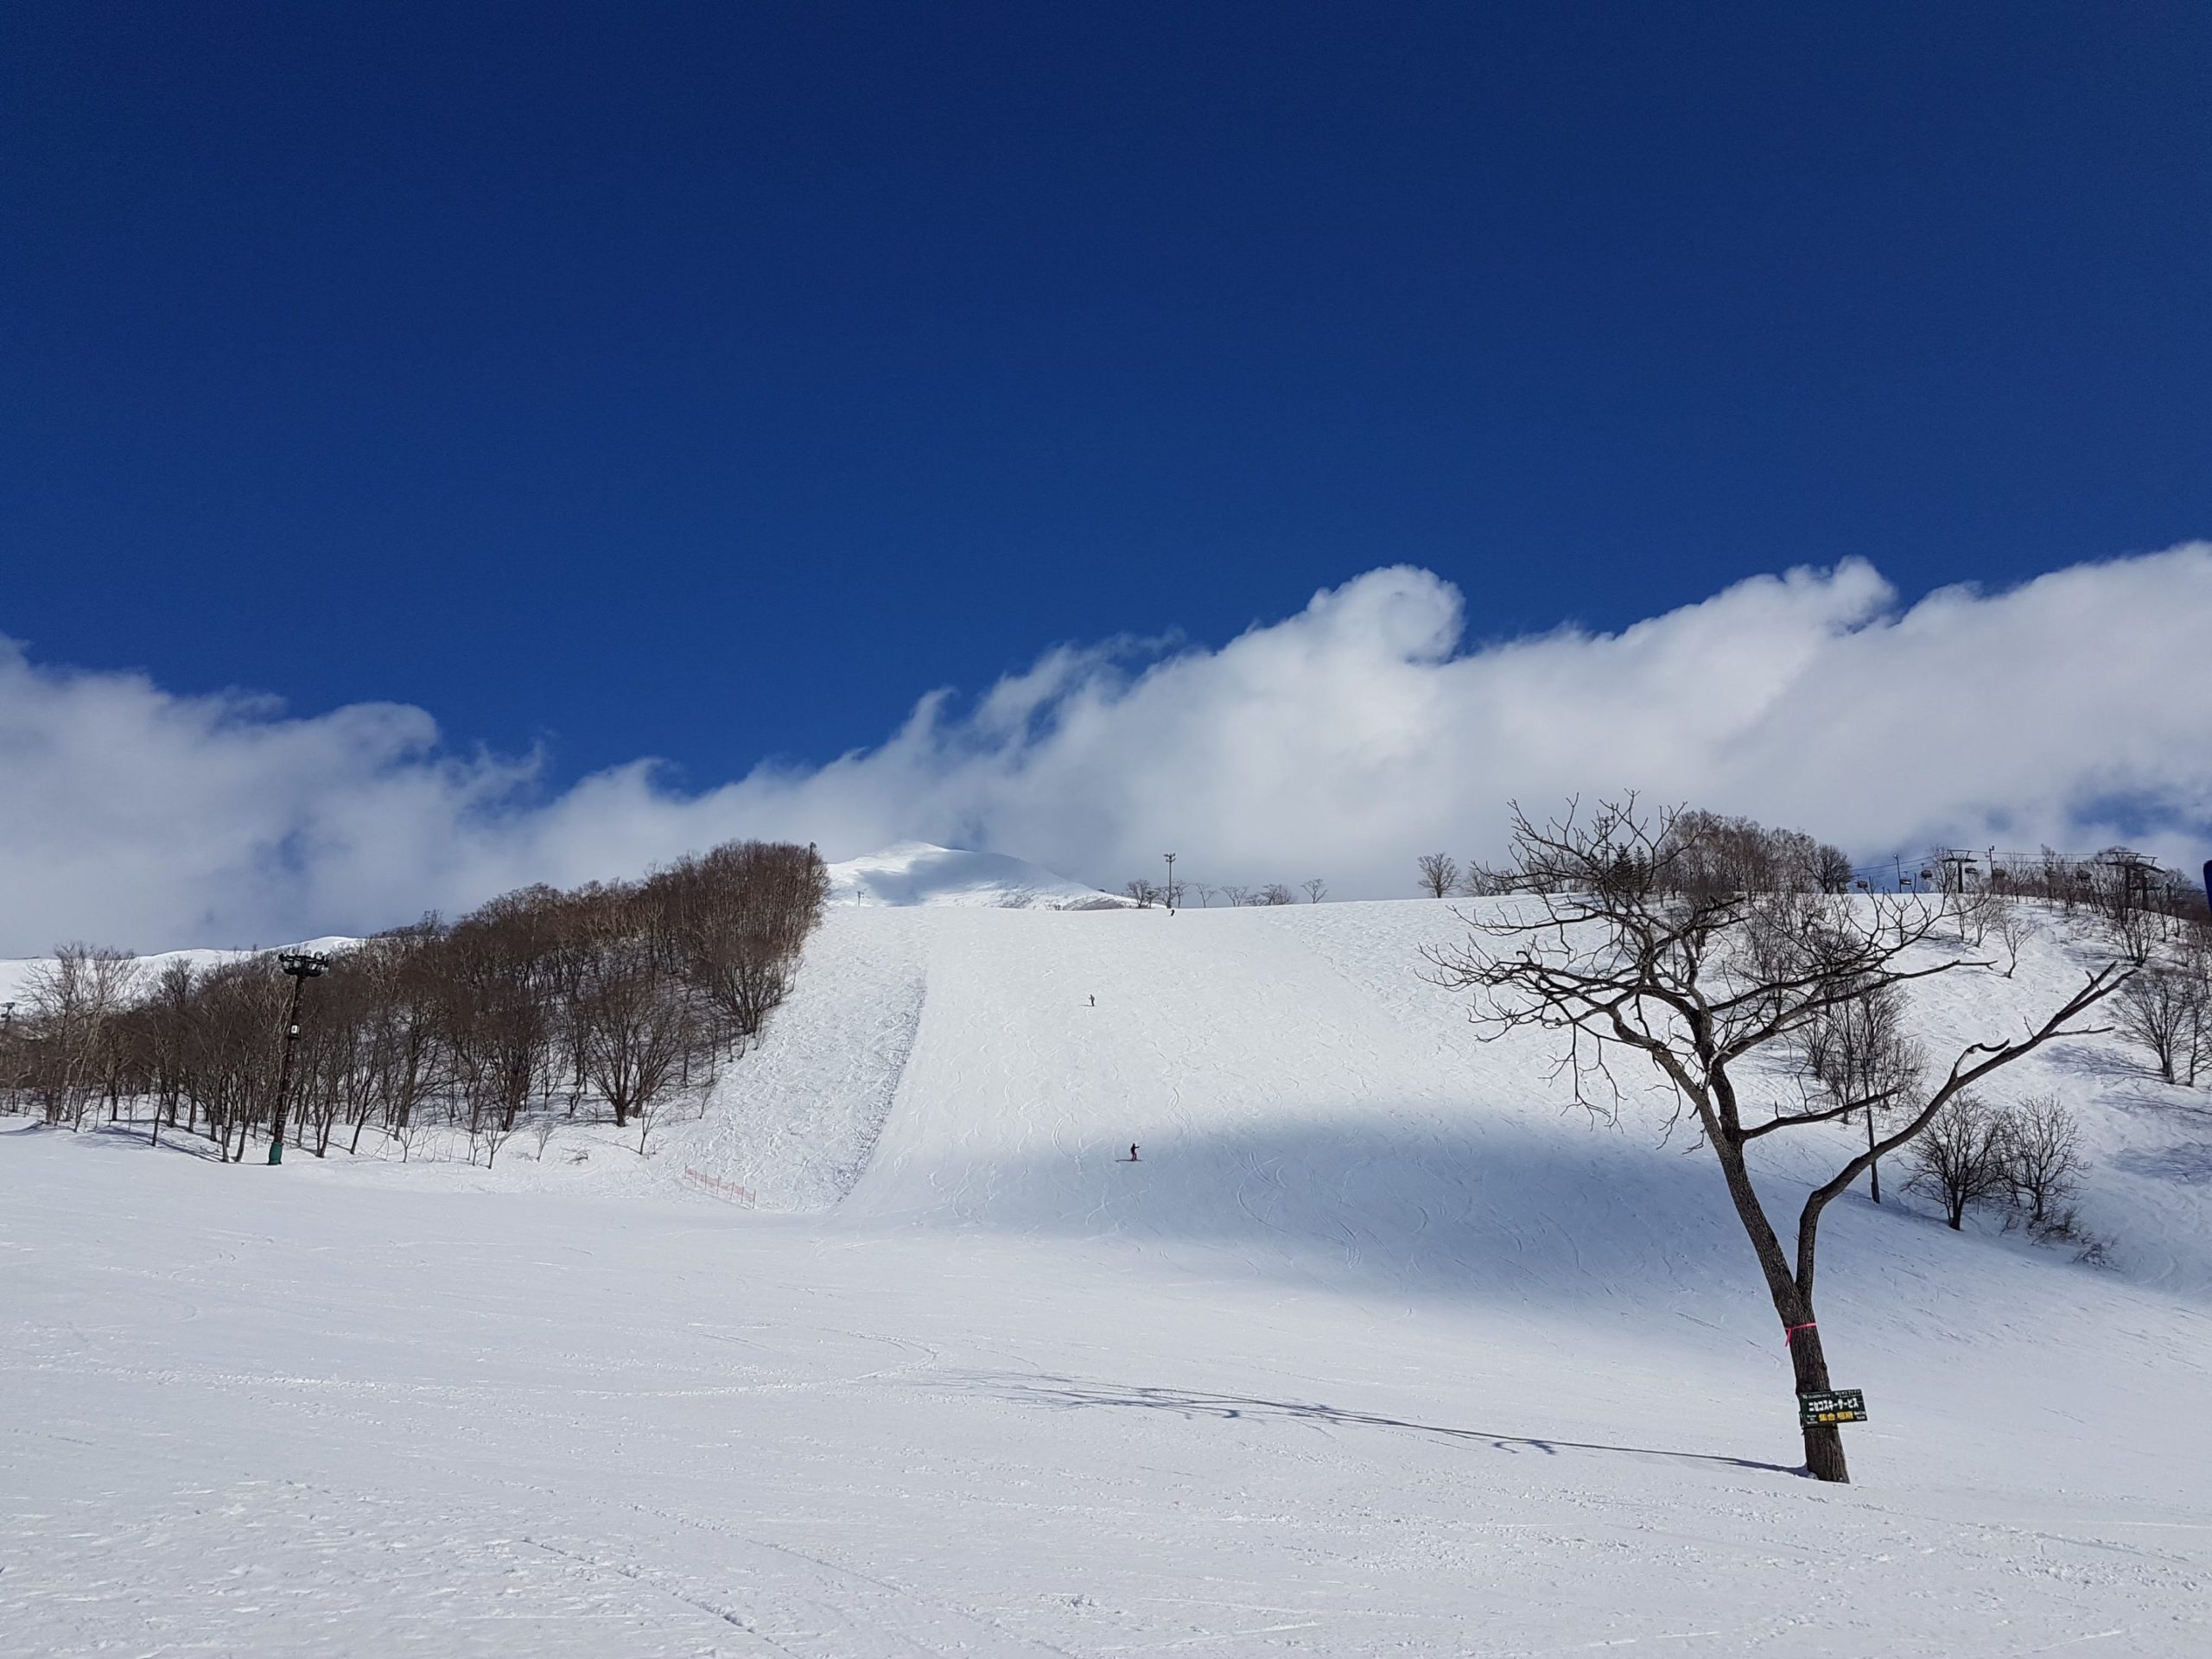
[(920, 872), (729, 1191)]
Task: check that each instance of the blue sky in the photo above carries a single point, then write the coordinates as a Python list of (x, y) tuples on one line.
[(709, 381)]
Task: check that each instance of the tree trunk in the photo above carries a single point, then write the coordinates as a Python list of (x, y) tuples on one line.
[(1792, 1304), (1823, 1441)]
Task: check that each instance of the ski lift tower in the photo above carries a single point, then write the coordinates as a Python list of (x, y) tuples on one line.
[(1957, 866), (303, 966), (2136, 873)]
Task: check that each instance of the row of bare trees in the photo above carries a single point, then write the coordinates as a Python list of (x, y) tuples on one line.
[(2166, 1009), (1234, 894), (619, 998), (2025, 1156), (1706, 853), (2115, 883), (2155, 921)]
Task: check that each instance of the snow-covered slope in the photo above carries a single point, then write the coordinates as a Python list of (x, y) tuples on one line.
[(16, 973), (918, 873), (1374, 1350), (1305, 1040)]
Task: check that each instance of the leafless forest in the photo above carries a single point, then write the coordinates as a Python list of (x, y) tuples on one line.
[(616, 999)]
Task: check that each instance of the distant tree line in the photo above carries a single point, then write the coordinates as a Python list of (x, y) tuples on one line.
[(2153, 919), (1705, 854), (614, 998), (1148, 893)]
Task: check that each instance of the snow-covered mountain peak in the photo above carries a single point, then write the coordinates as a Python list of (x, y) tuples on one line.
[(922, 873)]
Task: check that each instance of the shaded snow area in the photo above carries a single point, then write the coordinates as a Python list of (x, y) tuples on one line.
[(1376, 1352), (918, 873)]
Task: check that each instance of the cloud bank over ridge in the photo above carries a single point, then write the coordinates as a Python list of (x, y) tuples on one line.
[(1337, 742)]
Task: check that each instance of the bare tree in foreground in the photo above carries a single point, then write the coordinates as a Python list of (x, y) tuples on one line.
[(1610, 955)]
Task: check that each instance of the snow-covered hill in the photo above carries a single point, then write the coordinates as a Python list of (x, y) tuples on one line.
[(1374, 1350), (919, 873), (17, 972)]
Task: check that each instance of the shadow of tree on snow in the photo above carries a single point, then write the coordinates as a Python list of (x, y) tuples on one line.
[(124, 1136), (2189, 1164), (1073, 1393), (2101, 1059)]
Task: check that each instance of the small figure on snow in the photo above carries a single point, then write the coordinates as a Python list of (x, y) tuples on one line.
[(1094, 999), (1132, 1152)]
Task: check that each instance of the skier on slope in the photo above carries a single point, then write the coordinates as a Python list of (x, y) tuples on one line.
[(1132, 1152)]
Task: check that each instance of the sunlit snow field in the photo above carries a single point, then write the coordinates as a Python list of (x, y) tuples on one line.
[(1377, 1351)]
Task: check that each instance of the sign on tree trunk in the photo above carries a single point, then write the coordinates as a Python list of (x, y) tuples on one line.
[(1837, 1406)]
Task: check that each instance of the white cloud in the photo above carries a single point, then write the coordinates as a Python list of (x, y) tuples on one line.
[(1336, 742)]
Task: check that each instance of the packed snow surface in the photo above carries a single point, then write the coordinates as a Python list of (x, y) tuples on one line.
[(1374, 1350), (918, 873)]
